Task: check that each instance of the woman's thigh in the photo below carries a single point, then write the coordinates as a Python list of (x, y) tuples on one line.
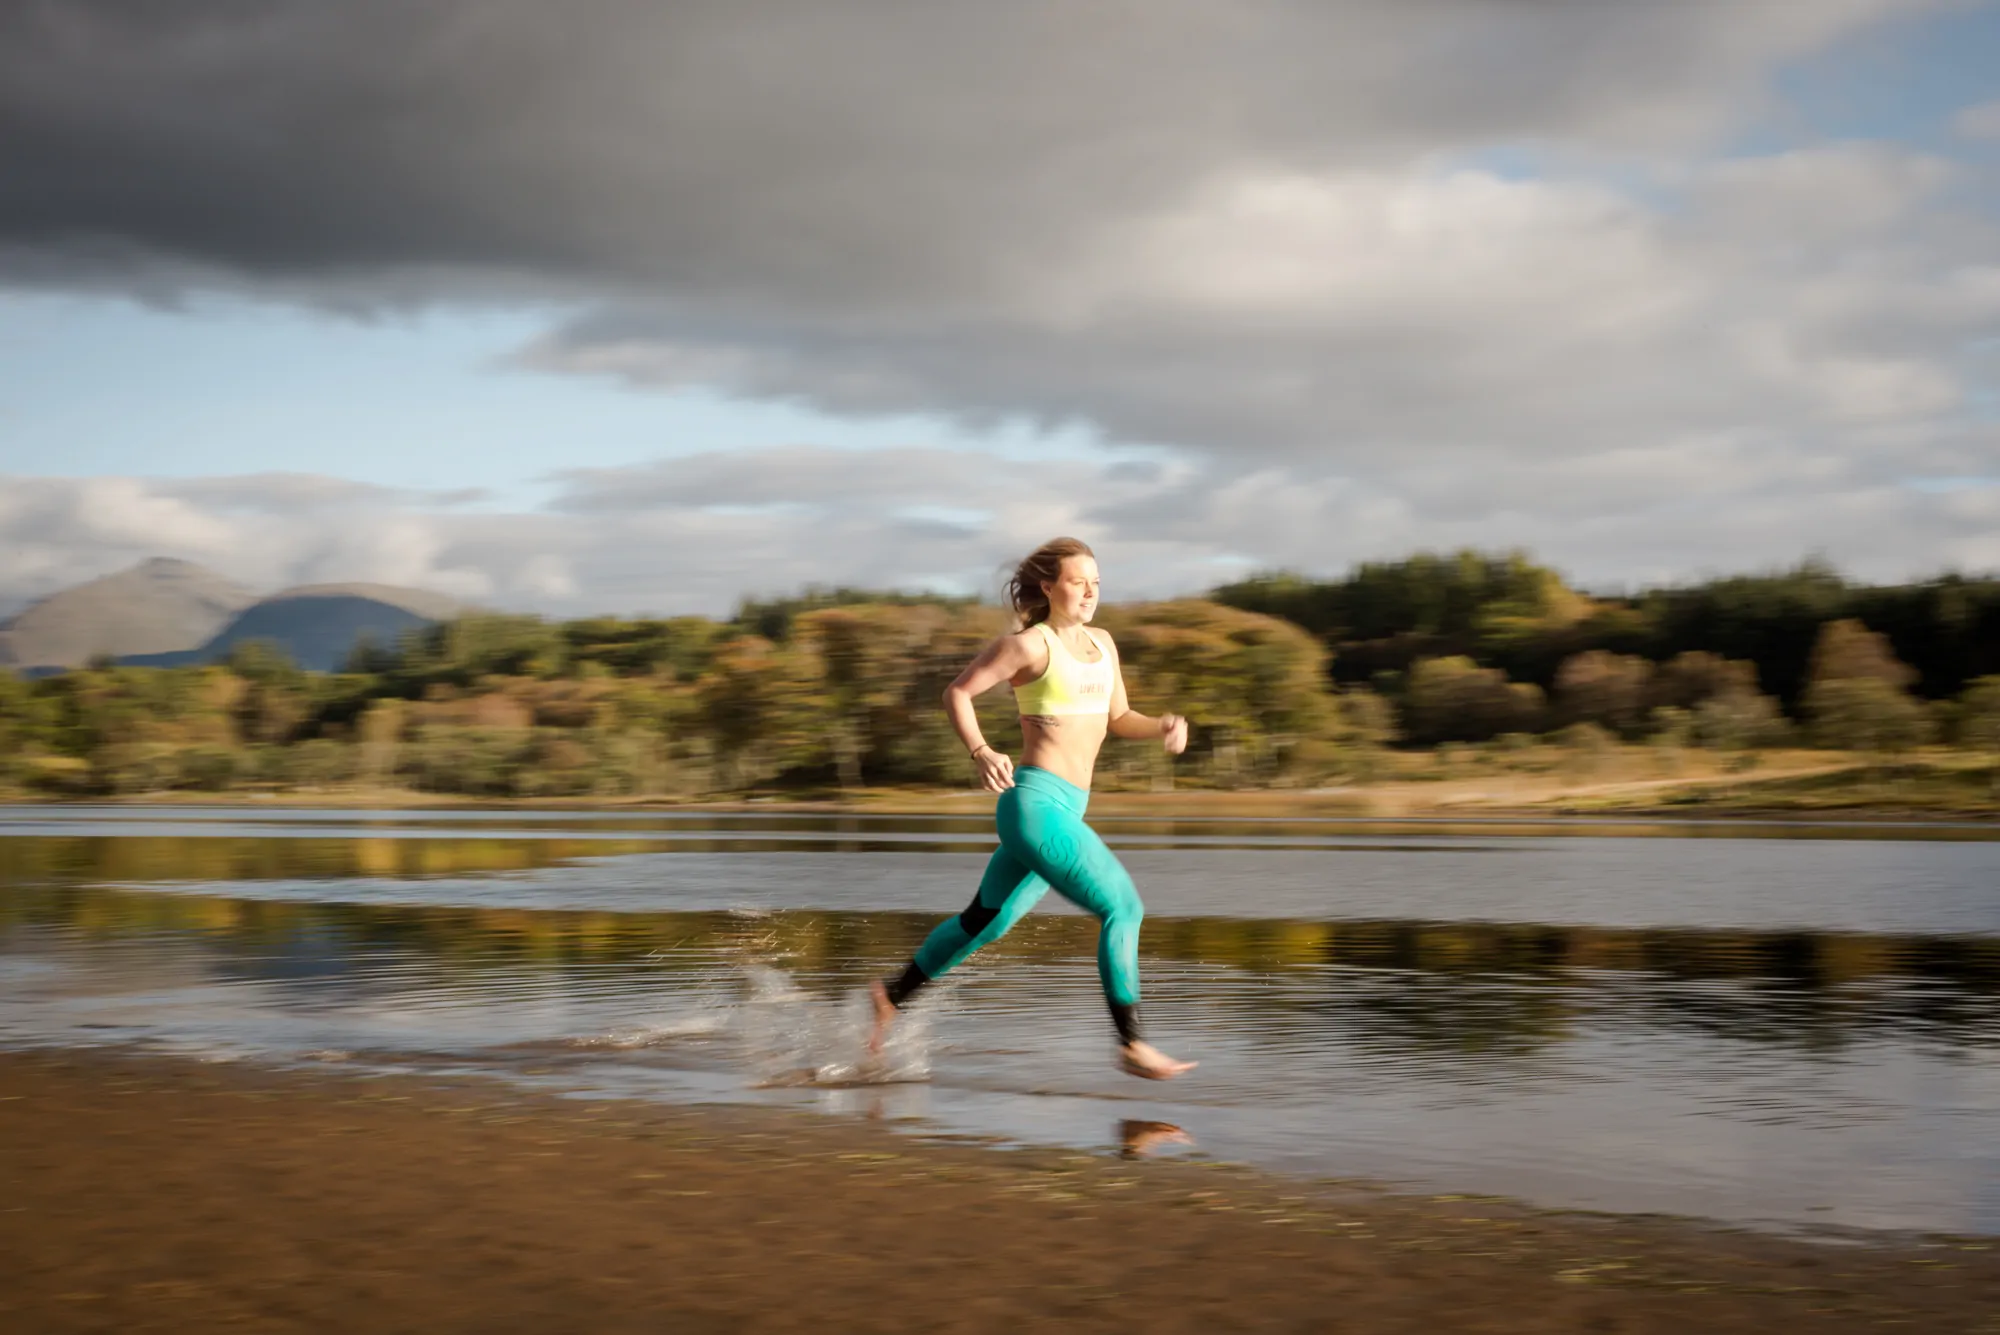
[(1056, 845)]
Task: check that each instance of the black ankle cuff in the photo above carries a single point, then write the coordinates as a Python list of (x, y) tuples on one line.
[(1127, 1020), (904, 987)]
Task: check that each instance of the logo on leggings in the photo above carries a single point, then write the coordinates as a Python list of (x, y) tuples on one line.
[(1061, 853)]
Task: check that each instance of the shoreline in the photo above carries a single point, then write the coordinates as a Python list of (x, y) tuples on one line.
[(1466, 801), (151, 1193)]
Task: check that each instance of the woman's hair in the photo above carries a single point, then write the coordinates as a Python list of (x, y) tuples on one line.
[(1043, 566)]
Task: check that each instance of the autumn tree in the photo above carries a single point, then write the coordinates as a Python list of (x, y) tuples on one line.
[(1847, 650), (1979, 720), (1858, 697), (1253, 687), (1454, 699), (1606, 689), (867, 659), (380, 733), (1695, 675), (758, 702)]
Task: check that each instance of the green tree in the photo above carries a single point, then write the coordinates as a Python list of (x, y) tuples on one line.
[(1367, 730), (1979, 722), (1499, 609), (1979, 715), (1857, 698), (1737, 722), (276, 700), (1866, 714)]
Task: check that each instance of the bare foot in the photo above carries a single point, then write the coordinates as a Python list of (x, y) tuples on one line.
[(885, 1014), (1149, 1063)]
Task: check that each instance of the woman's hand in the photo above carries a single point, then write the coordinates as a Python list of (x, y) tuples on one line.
[(1173, 733), (996, 772)]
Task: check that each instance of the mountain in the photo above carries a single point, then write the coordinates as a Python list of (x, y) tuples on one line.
[(155, 607), (417, 602), (318, 625)]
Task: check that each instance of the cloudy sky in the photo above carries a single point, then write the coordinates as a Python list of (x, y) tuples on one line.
[(624, 305)]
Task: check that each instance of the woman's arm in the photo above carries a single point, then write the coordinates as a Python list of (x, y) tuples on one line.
[(999, 661), (1129, 723)]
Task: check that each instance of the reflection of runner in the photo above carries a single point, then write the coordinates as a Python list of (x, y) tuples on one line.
[(1138, 1138), (1071, 693)]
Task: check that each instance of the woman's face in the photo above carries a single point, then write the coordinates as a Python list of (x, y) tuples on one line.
[(1073, 592)]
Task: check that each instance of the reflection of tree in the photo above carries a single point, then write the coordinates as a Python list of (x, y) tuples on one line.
[(1383, 1011), (1473, 990), (222, 858)]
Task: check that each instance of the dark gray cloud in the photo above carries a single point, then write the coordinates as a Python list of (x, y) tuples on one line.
[(838, 156)]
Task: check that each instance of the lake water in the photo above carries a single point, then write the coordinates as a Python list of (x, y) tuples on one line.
[(1783, 1024)]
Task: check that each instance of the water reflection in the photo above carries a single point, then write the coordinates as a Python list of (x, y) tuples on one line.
[(1143, 1138), (1877, 887), (974, 820), (1757, 1029), (1402, 986)]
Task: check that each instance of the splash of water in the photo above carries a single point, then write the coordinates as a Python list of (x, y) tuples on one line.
[(790, 1038)]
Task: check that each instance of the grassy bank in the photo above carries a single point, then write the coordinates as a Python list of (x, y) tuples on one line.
[(1627, 780)]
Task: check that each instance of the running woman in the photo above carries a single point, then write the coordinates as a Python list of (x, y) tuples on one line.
[(1071, 694)]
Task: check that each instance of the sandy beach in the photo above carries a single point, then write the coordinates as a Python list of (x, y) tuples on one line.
[(150, 1194)]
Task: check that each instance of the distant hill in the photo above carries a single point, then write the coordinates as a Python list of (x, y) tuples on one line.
[(318, 625), (166, 613), (158, 606), (417, 602)]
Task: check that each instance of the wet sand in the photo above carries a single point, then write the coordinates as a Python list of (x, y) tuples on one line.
[(147, 1194)]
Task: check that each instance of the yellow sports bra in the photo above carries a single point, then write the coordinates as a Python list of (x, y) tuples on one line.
[(1068, 685)]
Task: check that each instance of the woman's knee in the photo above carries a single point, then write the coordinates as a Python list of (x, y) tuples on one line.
[(1122, 902)]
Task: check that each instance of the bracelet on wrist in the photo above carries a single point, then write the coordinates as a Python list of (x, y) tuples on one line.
[(974, 752)]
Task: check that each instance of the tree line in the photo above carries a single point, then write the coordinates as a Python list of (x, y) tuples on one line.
[(821, 691), (1504, 611), (1286, 681)]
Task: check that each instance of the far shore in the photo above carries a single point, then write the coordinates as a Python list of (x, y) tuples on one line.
[(1776, 785)]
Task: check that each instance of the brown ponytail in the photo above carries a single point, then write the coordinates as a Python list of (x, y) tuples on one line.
[(1044, 565)]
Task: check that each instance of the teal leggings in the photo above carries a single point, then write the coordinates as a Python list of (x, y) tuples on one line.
[(1043, 843)]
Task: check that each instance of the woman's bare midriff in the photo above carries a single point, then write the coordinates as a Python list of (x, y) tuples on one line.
[(1066, 745)]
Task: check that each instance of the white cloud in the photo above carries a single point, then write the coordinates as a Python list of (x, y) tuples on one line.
[(1979, 122), (1818, 305), (698, 535)]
